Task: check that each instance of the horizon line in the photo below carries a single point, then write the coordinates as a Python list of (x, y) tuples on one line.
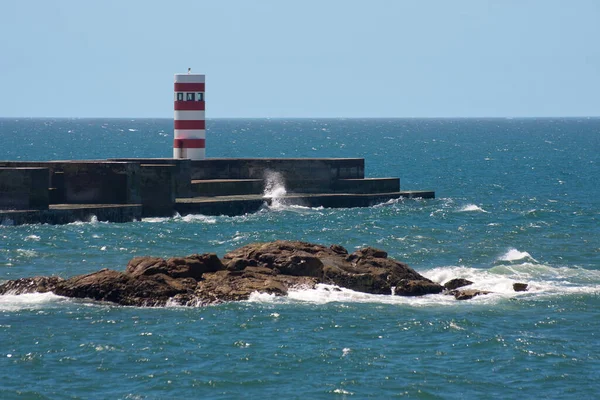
[(223, 118)]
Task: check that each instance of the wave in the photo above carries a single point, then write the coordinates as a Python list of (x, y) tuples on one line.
[(542, 280), (26, 253), (30, 301), (323, 294), (471, 208), (186, 218), (391, 202), (516, 255), (92, 220)]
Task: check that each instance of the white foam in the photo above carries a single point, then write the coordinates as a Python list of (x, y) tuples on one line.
[(186, 218), (472, 207), (389, 202), (482, 279), (542, 280), (11, 302), (199, 218), (342, 392), (156, 220), (323, 294), (27, 253), (516, 255), (92, 220)]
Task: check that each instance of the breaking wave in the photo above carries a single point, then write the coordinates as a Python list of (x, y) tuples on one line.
[(30, 301), (542, 280), (471, 208), (515, 255)]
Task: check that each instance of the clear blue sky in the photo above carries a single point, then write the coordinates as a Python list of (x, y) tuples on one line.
[(309, 58)]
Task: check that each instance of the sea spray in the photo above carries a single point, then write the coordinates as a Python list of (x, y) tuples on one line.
[(274, 188)]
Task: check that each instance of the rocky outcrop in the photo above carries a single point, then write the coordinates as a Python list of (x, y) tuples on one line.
[(202, 279)]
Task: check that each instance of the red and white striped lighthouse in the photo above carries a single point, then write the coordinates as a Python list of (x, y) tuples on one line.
[(189, 124)]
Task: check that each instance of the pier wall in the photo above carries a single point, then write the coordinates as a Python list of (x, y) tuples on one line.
[(182, 171), (89, 181), (298, 174), (157, 189), (101, 182), (126, 189), (24, 188)]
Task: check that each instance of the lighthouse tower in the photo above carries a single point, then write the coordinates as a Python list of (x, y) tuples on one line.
[(189, 121)]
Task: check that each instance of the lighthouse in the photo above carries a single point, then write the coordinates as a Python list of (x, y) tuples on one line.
[(189, 120)]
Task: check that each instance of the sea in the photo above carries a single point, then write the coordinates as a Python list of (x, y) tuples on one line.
[(517, 200)]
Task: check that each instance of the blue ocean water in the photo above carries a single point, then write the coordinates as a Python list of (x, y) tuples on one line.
[(517, 201)]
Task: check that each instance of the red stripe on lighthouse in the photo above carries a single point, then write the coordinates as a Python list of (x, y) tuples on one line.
[(189, 143), (189, 105), (180, 124), (189, 87)]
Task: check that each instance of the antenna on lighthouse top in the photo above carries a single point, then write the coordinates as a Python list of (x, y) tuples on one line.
[(189, 70)]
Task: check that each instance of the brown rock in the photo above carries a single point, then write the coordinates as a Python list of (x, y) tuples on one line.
[(456, 283), (336, 248), (192, 266), (467, 294), (418, 287), (117, 287), (239, 285), (520, 287), (288, 258), (139, 266), (367, 252)]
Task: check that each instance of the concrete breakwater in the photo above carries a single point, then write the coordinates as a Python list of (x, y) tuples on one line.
[(120, 190)]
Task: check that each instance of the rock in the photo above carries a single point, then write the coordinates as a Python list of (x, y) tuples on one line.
[(417, 287), (520, 287), (140, 266), (238, 264), (192, 266), (336, 248), (37, 284), (239, 285), (273, 268), (124, 289), (456, 283), (366, 270), (289, 258), (367, 252), (467, 294)]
